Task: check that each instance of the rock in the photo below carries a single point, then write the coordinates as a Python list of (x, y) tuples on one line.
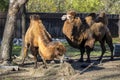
[(66, 69), (10, 68)]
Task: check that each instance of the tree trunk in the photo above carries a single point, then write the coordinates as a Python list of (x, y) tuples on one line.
[(119, 26), (8, 35), (23, 28)]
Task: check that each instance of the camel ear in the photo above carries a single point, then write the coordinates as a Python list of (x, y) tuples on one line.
[(30, 16), (34, 17), (37, 16)]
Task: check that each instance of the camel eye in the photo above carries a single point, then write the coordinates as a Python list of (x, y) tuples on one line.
[(58, 48)]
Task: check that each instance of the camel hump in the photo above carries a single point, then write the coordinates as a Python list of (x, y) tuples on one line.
[(78, 21), (90, 18), (93, 15), (102, 17)]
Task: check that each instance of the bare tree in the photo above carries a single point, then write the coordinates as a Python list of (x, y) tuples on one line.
[(6, 46)]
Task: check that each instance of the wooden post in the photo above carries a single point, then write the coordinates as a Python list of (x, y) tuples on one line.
[(23, 27), (119, 26)]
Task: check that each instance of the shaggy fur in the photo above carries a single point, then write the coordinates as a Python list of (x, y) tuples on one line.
[(76, 32), (101, 33), (83, 34), (40, 42), (90, 19)]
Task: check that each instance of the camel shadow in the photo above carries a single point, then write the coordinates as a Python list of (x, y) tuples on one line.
[(83, 67)]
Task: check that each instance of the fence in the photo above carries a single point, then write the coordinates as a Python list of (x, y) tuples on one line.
[(2, 23), (53, 23)]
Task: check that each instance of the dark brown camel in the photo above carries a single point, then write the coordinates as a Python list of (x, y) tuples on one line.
[(83, 34), (101, 33)]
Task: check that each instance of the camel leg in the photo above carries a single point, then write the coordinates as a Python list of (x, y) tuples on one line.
[(25, 54), (82, 50), (62, 59), (43, 59), (110, 44), (102, 44), (88, 50), (111, 49), (34, 51), (89, 47)]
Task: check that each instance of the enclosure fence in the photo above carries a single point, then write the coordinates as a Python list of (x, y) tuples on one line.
[(54, 24)]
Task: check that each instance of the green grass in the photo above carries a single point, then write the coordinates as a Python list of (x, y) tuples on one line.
[(96, 52), (116, 40), (16, 50), (72, 51)]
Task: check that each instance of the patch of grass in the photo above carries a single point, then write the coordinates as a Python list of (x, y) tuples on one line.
[(16, 50), (72, 51), (5, 78), (116, 40), (96, 52)]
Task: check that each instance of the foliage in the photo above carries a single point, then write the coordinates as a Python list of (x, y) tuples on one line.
[(41, 6), (4, 5), (63, 5), (87, 5), (110, 6)]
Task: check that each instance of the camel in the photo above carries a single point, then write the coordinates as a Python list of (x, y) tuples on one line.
[(39, 41), (83, 34)]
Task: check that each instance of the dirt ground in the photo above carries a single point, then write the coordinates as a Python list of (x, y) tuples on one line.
[(69, 70)]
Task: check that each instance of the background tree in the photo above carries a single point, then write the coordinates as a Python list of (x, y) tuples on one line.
[(41, 6), (6, 46), (110, 6), (87, 5), (4, 5)]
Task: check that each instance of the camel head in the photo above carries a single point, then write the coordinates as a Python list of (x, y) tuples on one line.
[(57, 49), (34, 17), (70, 15)]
